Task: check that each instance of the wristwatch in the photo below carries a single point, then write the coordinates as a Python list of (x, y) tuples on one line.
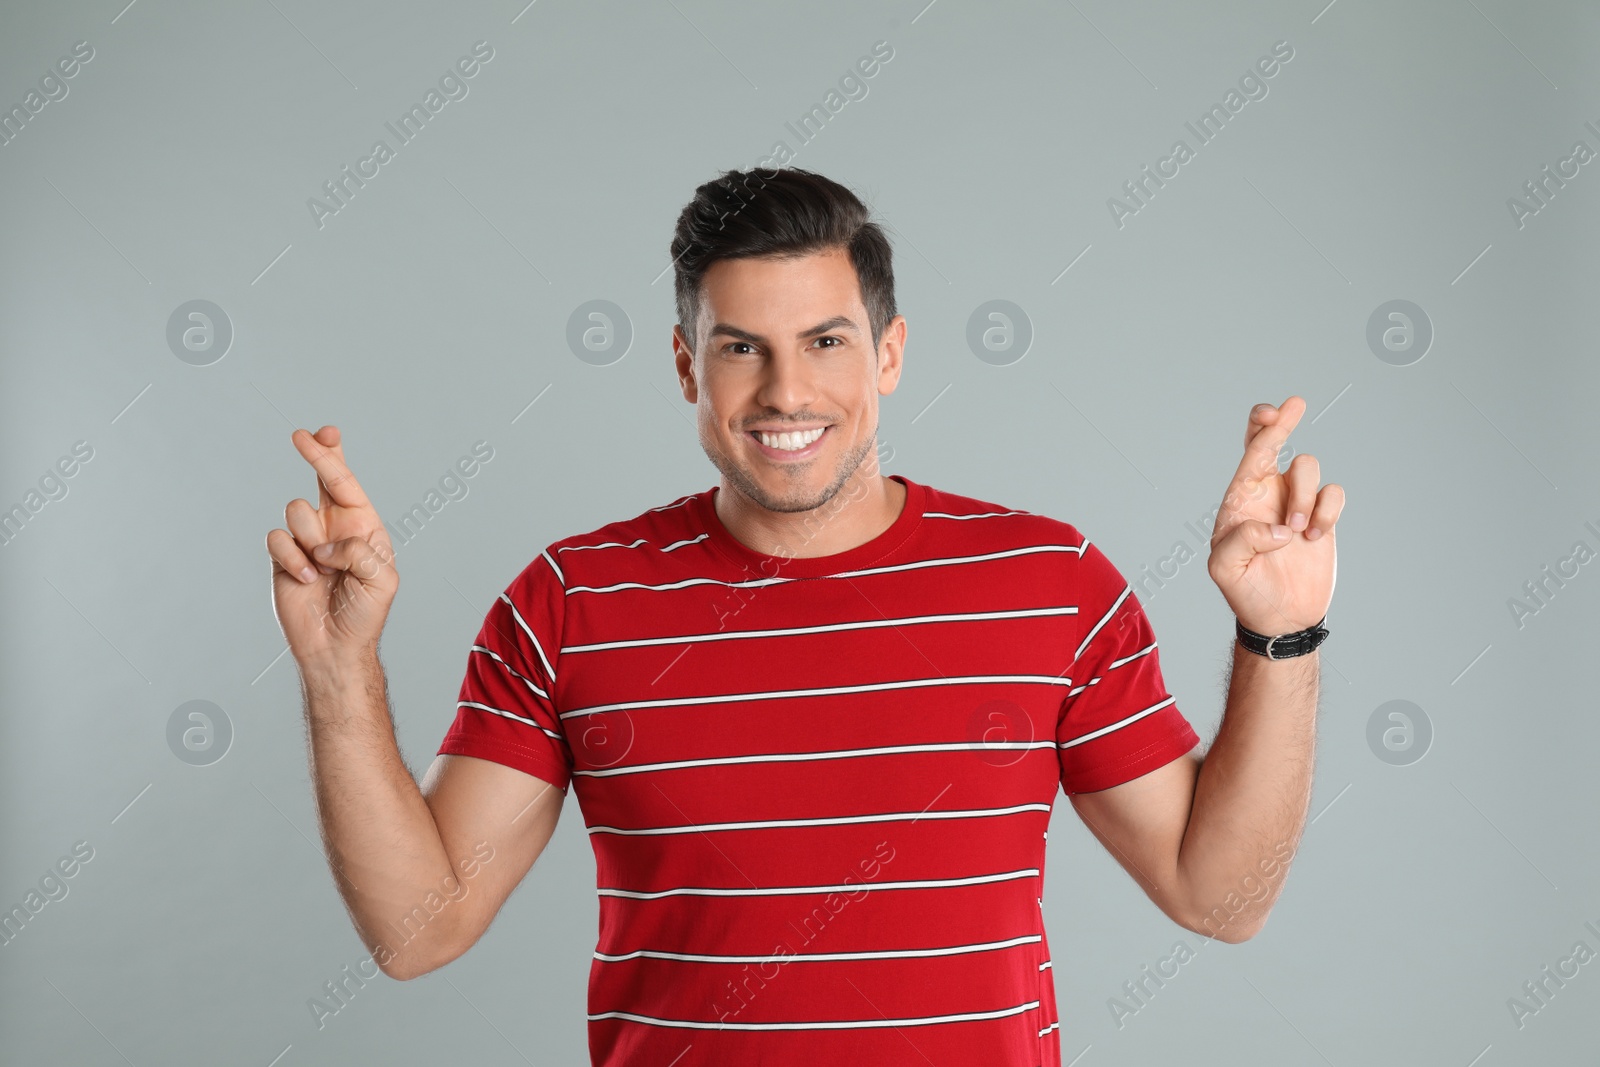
[(1282, 646)]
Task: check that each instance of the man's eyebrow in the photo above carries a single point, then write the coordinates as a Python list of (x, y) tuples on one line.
[(838, 322)]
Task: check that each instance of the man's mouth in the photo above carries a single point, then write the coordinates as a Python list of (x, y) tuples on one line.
[(791, 443)]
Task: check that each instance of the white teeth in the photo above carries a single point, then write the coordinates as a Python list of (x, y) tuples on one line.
[(790, 442)]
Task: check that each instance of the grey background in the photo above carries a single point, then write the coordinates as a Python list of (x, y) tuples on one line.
[(431, 311)]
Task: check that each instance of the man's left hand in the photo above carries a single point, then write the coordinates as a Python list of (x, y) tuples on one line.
[(1273, 585)]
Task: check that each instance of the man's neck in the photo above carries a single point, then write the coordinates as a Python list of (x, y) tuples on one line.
[(864, 507)]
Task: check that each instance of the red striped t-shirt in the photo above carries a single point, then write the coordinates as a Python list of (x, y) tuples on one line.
[(817, 788)]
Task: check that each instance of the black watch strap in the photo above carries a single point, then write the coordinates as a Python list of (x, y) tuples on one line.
[(1282, 646)]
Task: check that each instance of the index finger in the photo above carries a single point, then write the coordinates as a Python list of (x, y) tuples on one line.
[(1261, 449), (334, 478)]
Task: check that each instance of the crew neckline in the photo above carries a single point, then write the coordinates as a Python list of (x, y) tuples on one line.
[(770, 566)]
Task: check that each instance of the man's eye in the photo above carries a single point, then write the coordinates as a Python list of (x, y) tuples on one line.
[(837, 341), (740, 344)]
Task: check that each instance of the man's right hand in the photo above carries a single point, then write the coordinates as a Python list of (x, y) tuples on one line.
[(337, 614)]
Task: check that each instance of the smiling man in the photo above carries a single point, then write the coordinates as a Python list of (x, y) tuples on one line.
[(816, 717), (790, 416)]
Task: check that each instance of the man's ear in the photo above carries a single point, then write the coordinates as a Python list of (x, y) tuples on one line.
[(683, 358), (890, 355)]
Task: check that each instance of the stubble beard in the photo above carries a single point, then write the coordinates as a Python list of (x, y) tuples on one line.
[(797, 499)]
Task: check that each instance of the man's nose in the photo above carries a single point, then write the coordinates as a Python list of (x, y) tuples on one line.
[(789, 382)]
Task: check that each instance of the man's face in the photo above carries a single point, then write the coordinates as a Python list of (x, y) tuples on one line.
[(785, 346)]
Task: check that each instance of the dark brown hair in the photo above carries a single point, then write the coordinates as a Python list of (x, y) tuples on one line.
[(793, 212)]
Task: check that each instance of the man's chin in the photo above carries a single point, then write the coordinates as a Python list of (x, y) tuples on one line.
[(785, 491)]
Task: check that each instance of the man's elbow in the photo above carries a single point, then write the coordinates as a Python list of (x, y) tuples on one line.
[(1234, 935), (1230, 928), (405, 968), (419, 957)]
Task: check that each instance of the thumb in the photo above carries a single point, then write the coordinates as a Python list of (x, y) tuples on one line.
[(368, 562), (1244, 541)]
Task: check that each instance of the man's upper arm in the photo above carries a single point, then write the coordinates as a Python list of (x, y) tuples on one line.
[(1142, 822), (494, 822), (504, 765), (1125, 748)]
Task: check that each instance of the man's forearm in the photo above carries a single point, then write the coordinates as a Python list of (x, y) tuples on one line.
[(382, 843), (1252, 794)]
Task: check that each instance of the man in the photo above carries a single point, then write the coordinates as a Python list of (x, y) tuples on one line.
[(816, 717)]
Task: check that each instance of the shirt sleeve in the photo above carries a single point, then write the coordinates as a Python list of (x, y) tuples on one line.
[(506, 710), (1117, 721)]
